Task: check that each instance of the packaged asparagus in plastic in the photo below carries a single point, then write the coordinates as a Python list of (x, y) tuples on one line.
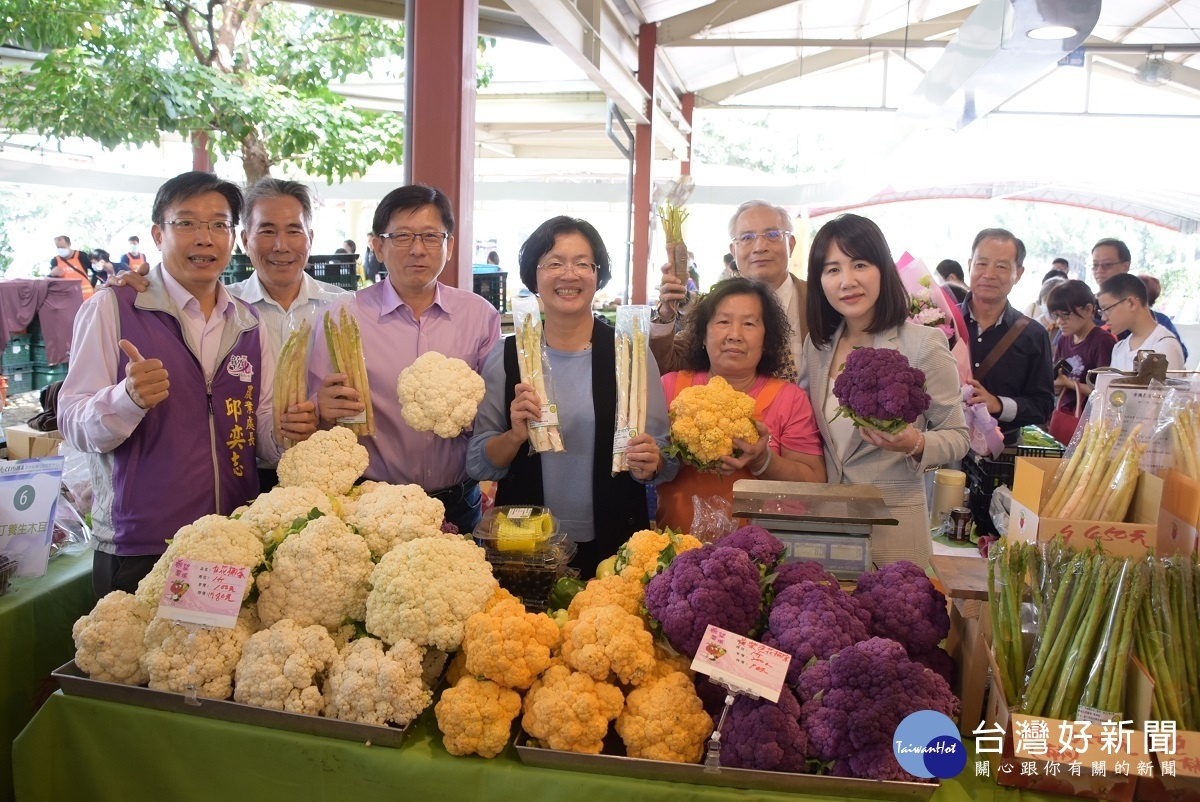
[(1176, 441), (346, 356), (1104, 690), (544, 434), (1165, 639), (291, 367), (632, 336), (1008, 564)]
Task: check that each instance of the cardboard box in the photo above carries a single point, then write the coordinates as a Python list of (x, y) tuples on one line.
[(1024, 763), (1130, 538), (1184, 786), (26, 442)]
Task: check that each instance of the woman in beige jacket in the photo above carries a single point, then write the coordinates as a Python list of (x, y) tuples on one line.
[(856, 299)]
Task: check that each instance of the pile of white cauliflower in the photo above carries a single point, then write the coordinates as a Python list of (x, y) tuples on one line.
[(352, 585)]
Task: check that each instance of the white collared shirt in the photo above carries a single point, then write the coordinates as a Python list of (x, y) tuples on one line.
[(273, 318)]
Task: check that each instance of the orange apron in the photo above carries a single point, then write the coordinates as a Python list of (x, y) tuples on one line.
[(72, 268), (675, 506)]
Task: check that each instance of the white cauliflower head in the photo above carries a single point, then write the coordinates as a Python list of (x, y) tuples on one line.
[(108, 640), (270, 514), (214, 539), (281, 668), (344, 505), (391, 514), (369, 685), (425, 590), (439, 394), (319, 575), (178, 656), (331, 461)]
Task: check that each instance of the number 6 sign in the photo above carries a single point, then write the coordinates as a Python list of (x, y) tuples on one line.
[(28, 497)]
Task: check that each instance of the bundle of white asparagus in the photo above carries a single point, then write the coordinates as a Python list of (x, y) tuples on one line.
[(1185, 451), (1095, 483), (291, 374), (544, 435), (346, 356), (633, 325)]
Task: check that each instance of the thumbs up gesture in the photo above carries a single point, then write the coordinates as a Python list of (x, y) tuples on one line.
[(145, 379)]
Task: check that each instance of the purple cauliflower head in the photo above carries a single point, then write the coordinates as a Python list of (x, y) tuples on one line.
[(808, 621), (904, 606), (880, 389), (854, 702), (763, 547), (794, 573), (709, 585), (764, 735), (937, 661)]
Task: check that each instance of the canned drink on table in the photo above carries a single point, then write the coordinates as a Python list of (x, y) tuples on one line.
[(960, 524)]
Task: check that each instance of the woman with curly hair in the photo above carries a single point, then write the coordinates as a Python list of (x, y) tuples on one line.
[(564, 262), (740, 333), (856, 300)]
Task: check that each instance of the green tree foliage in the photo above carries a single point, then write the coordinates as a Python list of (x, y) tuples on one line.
[(254, 75)]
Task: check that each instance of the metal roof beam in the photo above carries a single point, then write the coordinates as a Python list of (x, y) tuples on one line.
[(718, 93), (722, 12), (563, 26)]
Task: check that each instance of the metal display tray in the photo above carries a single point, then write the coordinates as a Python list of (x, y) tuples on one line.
[(805, 501), (76, 683), (749, 779)]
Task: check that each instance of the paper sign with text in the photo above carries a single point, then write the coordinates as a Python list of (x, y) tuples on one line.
[(28, 498), (741, 663), (198, 592)]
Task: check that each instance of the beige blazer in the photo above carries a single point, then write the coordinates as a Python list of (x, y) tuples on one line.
[(900, 479)]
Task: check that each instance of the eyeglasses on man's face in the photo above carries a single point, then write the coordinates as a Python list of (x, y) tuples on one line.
[(771, 235), (430, 239), (554, 269), (1105, 309), (186, 226), (1105, 266)]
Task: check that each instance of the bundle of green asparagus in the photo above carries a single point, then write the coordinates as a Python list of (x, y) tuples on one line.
[(291, 374), (633, 325), (544, 434), (346, 356), (1167, 640)]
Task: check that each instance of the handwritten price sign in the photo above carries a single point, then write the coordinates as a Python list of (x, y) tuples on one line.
[(741, 663), (199, 592)]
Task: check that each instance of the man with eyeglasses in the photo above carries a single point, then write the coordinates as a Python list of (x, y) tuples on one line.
[(169, 390), (1124, 303), (1111, 257), (761, 242), (400, 319), (1010, 352)]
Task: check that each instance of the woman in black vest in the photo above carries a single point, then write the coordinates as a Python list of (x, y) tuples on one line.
[(564, 262)]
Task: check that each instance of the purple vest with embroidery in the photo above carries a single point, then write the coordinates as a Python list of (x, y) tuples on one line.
[(191, 455)]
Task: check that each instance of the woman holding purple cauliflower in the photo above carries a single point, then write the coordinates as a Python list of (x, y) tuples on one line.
[(856, 300)]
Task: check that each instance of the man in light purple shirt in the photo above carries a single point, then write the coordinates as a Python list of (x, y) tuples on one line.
[(411, 313), (169, 390)]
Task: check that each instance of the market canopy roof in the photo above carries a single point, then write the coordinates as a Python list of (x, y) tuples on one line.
[(935, 65)]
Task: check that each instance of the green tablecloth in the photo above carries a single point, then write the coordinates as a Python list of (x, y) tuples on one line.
[(86, 749), (36, 615)]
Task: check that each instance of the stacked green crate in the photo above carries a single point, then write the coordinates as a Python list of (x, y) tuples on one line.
[(17, 363), (43, 373)]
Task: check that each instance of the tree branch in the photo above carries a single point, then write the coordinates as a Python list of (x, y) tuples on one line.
[(181, 13)]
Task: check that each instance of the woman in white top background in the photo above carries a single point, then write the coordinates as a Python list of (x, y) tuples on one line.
[(855, 300)]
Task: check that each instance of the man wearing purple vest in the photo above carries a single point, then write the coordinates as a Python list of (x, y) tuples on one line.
[(169, 390)]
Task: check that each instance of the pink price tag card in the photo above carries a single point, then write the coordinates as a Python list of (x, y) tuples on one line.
[(198, 592), (741, 663)]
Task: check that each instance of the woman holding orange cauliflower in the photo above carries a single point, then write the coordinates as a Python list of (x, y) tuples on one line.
[(730, 418), (564, 262)]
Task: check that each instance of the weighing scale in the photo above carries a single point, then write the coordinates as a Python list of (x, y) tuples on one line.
[(829, 524)]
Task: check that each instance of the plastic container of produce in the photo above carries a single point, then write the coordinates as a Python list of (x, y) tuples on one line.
[(527, 551)]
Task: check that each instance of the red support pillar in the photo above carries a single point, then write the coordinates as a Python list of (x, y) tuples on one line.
[(201, 159), (688, 101), (440, 53), (643, 158)]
